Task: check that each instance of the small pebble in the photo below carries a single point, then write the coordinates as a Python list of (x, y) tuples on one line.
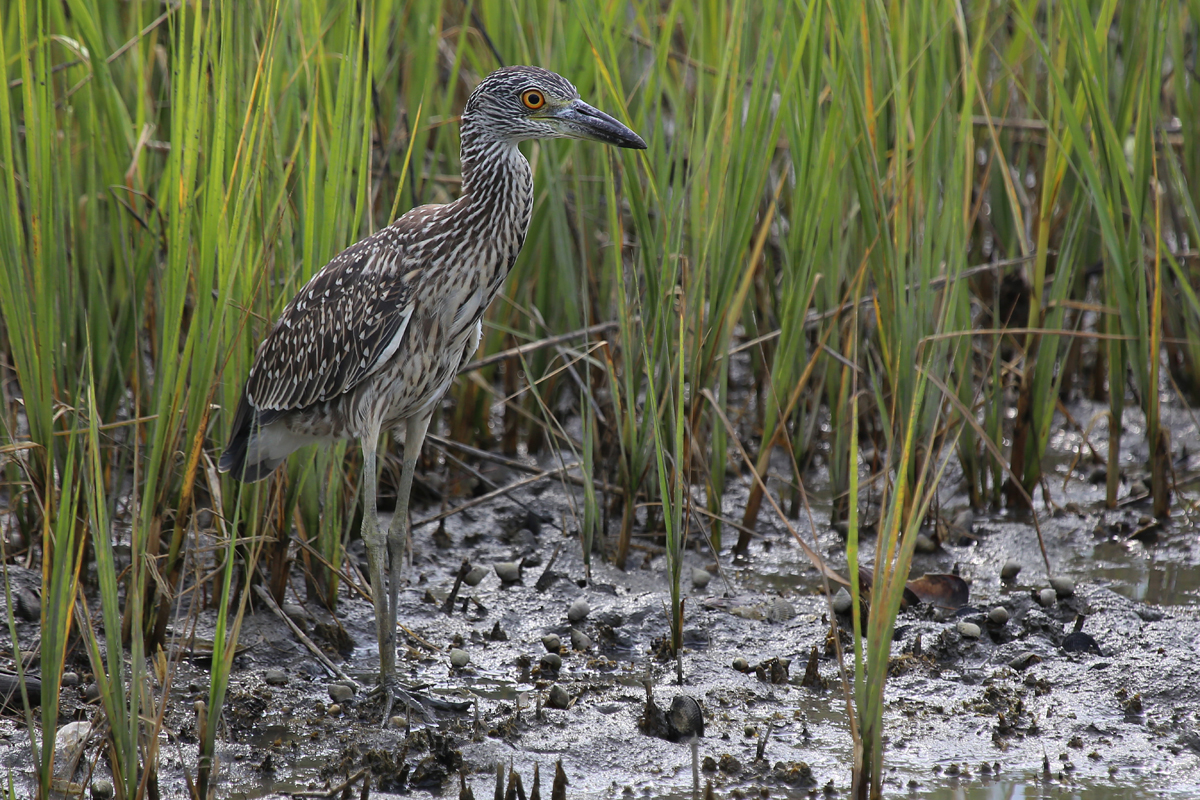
[(1080, 642), (1047, 597), (969, 630), (842, 602), (780, 610), (524, 539), (102, 789), (396, 721), (741, 664), (998, 615), (339, 693), (297, 614), (459, 658), (1010, 570), (91, 693), (686, 717), (71, 738), (551, 662), (508, 571), (925, 544), (580, 640), (334, 710), (476, 575), (275, 677), (70, 679), (558, 697), (578, 611), (551, 642), (29, 607), (700, 577), (1063, 587)]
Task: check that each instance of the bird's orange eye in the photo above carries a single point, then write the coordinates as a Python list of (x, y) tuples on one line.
[(533, 99)]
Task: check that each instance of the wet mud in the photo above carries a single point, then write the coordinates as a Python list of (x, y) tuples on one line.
[(1088, 687)]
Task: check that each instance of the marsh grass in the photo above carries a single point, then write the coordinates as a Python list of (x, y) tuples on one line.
[(860, 230)]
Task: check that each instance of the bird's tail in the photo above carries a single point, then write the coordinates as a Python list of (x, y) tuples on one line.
[(242, 459)]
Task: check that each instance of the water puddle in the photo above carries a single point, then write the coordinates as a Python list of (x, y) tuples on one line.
[(1154, 575), (1031, 788)]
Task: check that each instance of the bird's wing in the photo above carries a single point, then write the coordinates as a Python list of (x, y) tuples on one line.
[(341, 327)]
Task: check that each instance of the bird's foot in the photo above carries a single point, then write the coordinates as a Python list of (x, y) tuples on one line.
[(413, 700)]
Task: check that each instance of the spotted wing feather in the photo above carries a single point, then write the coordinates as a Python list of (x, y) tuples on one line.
[(342, 326)]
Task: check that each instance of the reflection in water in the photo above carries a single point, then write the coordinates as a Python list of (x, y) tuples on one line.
[(1031, 788), (1150, 575)]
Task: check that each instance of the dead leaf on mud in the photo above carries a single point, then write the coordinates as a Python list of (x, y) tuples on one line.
[(941, 589)]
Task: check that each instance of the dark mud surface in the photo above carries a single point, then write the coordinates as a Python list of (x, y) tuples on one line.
[(974, 707)]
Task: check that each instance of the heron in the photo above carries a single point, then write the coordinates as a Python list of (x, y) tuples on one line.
[(372, 342)]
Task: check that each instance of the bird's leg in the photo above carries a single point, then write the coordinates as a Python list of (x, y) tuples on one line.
[(396, 538), (375, 541), (414, 437)]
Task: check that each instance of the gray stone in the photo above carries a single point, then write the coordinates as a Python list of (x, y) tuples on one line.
[(1063, 587), (700, 577), (578, 611), (1024, 660), (102, 789), (1047, 597), (459, 658), (551, 642), (276, 677), (780, 610), (69, 741), (508, 571), (29, 607), (580, 640), (525, 540), (476, 575), (339, 693), (998, 615), (551, 662), (969, 630), (842, 601), (558, 697), (1010, 570), (297, 614)]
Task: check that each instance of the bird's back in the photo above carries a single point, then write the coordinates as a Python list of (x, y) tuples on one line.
[(377, 335)]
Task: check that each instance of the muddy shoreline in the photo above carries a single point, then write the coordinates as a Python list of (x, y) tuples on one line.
[(969, 705)]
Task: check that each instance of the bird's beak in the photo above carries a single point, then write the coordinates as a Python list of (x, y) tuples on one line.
[(578, 120)]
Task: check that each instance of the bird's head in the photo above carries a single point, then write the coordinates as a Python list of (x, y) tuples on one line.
[(518, 103)]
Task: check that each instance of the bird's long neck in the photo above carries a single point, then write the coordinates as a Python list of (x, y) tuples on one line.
[(497, 186)]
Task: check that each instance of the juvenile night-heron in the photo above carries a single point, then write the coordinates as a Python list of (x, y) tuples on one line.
[(372, 342)]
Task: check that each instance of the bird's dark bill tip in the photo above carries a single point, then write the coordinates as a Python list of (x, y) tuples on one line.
[(633, 142)]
